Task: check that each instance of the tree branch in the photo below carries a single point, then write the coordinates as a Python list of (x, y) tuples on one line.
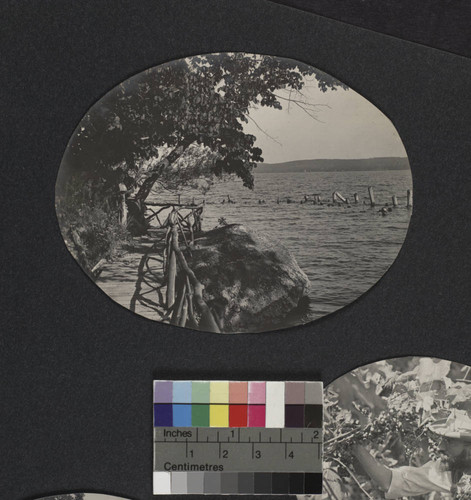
[(304, 103), (261, 130)]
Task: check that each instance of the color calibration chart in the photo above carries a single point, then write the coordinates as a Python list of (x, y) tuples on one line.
[(236, 437)]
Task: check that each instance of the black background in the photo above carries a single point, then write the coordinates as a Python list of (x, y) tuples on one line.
[(76, 369)]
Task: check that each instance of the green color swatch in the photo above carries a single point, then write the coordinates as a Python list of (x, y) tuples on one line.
[(200, 415)]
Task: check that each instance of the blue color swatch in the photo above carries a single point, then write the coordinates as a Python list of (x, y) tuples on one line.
[(182, 415), (163, 415)]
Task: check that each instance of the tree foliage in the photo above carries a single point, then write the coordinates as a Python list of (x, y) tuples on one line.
[(386, 407), (155, 119)]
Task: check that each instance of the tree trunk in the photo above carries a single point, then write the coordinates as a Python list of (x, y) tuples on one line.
[(148, 184)]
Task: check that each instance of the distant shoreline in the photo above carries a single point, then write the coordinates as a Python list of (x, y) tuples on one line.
[(336, 165)]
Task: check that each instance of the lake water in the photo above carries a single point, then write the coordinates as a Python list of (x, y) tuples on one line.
[(344, 251)]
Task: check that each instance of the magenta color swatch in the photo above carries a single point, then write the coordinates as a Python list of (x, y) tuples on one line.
[(256, 415), (256, 393)]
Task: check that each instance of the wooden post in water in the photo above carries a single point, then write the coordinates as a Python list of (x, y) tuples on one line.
[(179, 198), (355, 197), (372, 196), (333, 197), (123, 215), (340, 197), (409, 198), (394, 201)]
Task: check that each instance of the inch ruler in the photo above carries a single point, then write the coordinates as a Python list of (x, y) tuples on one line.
[(238, 450)]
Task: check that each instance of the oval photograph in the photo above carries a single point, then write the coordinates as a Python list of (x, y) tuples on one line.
[(399, 428), (234, 193)]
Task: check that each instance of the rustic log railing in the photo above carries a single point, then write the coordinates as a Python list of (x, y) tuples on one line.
[(194, 212), (184, 298)]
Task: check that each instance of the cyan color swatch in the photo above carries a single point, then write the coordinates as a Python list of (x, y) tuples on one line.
[(181, 391)]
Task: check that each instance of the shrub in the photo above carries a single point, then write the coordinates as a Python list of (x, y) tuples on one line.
[(91, 232)]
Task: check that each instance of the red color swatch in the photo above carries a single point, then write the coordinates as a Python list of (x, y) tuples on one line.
[(237, 415), (256, 416)]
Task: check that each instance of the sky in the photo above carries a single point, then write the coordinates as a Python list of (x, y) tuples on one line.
[(348, 126)]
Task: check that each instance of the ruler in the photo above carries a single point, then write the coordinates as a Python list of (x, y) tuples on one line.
[(237, 450)]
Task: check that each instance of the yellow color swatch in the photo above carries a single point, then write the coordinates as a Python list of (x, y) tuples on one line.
[(219, 415), (219, 391)]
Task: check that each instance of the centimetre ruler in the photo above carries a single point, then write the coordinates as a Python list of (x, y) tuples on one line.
[(238, 450)]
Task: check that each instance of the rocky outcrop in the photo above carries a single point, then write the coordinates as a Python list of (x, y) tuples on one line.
[(252, 283)]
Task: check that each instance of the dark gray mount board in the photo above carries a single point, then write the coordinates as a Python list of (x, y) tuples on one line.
[(76, 370), (441, 24)]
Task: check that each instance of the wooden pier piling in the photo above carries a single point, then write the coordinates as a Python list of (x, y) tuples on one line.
[(336, 196), (340, 197), (372, 196), (409, 198), (355, 197), (394, 201)]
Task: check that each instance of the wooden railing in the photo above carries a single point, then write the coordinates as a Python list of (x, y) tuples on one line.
[(184, 298), (173, 211)]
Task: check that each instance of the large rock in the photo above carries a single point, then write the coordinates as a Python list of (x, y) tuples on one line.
[(251, 281)]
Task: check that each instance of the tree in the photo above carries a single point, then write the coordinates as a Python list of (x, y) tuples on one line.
[(161, 117), (385, 407)]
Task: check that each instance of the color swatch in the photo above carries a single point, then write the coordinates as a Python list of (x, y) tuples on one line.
[(237, 437), (237, 404)]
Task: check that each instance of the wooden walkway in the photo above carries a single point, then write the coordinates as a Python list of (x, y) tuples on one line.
[(136, 280)]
